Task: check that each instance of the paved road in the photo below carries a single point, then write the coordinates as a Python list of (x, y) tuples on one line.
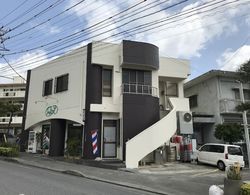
[(17, 179), (187, 179)]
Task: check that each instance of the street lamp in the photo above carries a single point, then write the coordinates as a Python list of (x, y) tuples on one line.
[(245, 124)]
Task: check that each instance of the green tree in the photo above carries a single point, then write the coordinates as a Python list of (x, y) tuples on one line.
[(244, 75), (11, 109), (229, 132)]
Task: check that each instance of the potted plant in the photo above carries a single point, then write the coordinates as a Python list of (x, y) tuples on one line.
[(245, 189), (72, 150), (233, 180)]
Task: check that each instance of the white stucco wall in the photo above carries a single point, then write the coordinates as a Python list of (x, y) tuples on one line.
[(108, 56), (70, 103), (174, 68)]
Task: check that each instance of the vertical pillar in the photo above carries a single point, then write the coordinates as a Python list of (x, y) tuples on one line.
[(93, 120), (57, 137), (245, 124)]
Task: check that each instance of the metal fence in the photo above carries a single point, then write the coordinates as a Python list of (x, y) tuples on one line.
[(139, 89)]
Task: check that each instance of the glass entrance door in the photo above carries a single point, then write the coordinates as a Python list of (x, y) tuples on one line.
[(109, 138)]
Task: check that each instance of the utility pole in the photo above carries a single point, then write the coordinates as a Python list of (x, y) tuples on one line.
[(2, 39), (245, 124)]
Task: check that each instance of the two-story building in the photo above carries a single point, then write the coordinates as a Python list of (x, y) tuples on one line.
[(213, 99), (12, 93), (118, 100)]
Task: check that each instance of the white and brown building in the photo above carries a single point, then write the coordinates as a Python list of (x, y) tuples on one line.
[(125, 92)]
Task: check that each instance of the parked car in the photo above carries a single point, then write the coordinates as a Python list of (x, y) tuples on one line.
[(221, 155)]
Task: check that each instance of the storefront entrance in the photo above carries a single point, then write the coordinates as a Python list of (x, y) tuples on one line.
[(109, 139), (74, 139)]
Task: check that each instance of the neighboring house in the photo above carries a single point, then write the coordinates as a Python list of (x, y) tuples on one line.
[(12, 93), (213, 97), (113, 98)]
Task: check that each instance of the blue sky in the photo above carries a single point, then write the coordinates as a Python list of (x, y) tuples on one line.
[(212, 34)]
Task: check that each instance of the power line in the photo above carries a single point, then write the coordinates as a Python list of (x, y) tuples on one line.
[(48, 20), (6, 77), (73, 36), (157, 31), (237, 51), (38, 14), (78, 32), (20, 5), (109, 18), (53, 51), (12, 68), (26, 12), (57, 50), (38, 35)]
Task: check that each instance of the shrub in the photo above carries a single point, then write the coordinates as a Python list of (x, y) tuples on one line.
[(9, 150), (233, 172), (229, 132), (245, 189), (73, 146)]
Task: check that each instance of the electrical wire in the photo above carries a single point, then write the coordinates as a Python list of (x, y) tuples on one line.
[(48, 20), (157, 31), (38, 14), (78, 32), (109, 18), (26, 12), (12, 67), (11, 12), (128, 31)]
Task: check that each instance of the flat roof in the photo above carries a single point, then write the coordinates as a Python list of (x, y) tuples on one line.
[(208, 75), (12, 84)]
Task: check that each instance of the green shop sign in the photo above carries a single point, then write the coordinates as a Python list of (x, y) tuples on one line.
[(51, 110)]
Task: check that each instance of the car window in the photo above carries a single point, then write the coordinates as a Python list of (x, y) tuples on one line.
[(234, 150), (205, 148), (217, 148)]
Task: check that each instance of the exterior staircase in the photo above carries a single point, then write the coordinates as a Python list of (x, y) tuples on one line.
[(156, 135)]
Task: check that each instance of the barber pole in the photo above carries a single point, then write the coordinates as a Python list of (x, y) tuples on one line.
[(94, 136), (44, 141)]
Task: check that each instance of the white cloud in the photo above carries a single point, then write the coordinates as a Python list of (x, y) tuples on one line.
[(185, 40), (23, 63), (231, 60), (46, 28)]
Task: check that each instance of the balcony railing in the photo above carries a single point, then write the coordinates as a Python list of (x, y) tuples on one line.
[(229, 105), (8, 94), (15, 120), (139, 89)]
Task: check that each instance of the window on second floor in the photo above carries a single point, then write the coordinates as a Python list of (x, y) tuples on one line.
[(193, 101), (47, 87), (61, 83), (136, 81), (246, 93), (107, 82), (172, 89), (236, 94)]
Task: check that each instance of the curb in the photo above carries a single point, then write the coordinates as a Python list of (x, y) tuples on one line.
[(80, 174)]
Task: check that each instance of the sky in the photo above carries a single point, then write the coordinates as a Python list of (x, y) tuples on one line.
[(211, 34)]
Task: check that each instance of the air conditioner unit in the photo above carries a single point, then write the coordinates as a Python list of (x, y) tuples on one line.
[(185, 122)]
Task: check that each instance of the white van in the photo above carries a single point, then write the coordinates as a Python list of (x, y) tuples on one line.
[(221, 155)]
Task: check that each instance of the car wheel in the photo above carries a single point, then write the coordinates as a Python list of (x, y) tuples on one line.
[(221, 165)]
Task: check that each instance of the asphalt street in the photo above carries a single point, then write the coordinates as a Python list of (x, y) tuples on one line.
[(16, 179)]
